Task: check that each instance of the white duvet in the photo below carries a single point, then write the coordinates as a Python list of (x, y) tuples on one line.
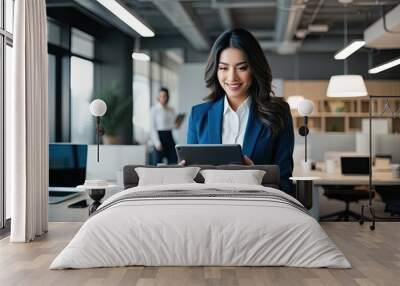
[(200, 231)]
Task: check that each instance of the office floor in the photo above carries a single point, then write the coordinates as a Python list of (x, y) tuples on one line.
[(374, 255)]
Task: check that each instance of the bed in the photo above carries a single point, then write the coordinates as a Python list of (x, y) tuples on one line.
[(201, 224)]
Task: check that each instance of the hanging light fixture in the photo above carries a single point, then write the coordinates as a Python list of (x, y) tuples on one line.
[(349, 49), (127, 17), (346, 85), (294, 99), (354, 45), (139, 55), (385, 66)]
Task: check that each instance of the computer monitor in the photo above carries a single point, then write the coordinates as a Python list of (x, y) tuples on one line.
[(67, 164), (358, 165)]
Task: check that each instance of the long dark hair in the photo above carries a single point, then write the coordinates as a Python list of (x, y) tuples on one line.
[(270, 109)]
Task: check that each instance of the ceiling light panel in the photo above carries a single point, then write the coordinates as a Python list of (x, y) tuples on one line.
[(127, 17), (385, 66), (349, 49)]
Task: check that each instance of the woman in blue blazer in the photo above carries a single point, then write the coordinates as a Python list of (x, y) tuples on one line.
[(241, 108)]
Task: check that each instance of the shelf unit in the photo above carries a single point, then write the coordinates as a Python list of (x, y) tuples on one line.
[(343, 114)]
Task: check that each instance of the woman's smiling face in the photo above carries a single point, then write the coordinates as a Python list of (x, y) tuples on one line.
[(234, 74)]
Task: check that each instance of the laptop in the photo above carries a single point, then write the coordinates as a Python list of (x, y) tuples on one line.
[(358, 165), (67, 169)]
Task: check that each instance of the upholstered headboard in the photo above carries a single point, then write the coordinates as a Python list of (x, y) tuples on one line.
[(270, 179)]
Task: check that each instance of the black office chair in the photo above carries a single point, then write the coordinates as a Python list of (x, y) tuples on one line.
[(347, 194), (390, 195)]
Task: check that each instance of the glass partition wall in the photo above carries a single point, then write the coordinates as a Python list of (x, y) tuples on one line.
[(82, 85), (71, 83)]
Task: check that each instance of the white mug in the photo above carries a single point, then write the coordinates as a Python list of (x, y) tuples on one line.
[(330, 166), (396, 170)]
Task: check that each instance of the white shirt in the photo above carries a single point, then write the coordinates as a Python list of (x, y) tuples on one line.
[(235, 123), (162, 119)]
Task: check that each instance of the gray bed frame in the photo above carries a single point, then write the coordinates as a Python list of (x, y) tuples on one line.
[(270, 179)]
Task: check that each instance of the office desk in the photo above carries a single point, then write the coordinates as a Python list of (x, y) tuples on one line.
[(379, 178)]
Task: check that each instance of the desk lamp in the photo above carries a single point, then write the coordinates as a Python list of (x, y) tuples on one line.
[(98, 108), (305, 108)]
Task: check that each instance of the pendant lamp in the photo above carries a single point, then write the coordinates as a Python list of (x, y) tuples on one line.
[(346, 85)]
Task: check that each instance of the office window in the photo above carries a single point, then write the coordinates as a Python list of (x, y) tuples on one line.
[(141, 100), (57, 34), (52, 97), (58, 37), (82, 122), (8, 86), (6, 42), (71, 81), (82, 44), (82, 84)]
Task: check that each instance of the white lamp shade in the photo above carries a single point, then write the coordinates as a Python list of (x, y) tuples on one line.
[(293, 100), (98, 107), (346, 86), (305, 107)]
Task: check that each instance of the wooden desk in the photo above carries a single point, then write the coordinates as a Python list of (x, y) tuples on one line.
[(379, 178)]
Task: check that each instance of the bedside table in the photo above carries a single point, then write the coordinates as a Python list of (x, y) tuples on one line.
[(96, 193), (304, 190)]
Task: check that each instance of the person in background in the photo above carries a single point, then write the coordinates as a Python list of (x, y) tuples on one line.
[(241, 108), (163, 121)]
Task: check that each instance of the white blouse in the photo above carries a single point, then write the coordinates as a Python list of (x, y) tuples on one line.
[(235, 122)]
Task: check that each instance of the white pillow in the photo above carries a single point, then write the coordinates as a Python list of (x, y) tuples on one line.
[(248, 177), (165, 176)]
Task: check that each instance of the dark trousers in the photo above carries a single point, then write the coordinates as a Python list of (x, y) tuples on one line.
[(168, 148)]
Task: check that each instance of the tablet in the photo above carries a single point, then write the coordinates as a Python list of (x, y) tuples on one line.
[(209, 154)]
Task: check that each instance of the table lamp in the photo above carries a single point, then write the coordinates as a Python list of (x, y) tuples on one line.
[(305, 108), (98, 108)]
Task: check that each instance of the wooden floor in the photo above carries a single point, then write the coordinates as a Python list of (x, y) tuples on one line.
[(374, 255)]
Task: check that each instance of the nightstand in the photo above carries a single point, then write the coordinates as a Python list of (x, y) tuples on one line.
[(96, 193), (304, 190)]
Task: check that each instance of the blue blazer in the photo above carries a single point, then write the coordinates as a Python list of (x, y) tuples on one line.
[(205, 127)]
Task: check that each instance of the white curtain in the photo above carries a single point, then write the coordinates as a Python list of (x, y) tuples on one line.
[(28, 123)]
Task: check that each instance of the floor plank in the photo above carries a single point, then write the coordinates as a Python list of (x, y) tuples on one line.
[(375, 257)]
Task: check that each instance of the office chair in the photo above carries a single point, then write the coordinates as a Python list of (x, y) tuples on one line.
[(390, 195), (347, 194)]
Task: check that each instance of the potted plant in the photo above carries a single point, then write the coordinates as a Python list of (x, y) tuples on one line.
[(118, 108)]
